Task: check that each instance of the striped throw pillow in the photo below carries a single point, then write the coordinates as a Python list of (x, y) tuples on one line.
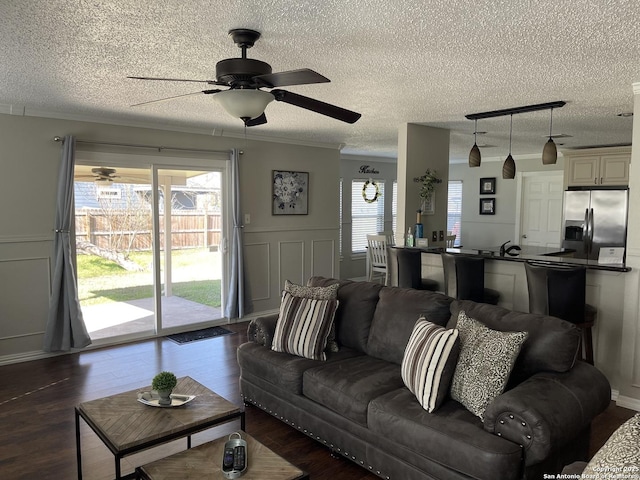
[(303, 326), (429, 362)]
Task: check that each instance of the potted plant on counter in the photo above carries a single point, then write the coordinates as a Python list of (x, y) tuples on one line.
[(164, 383)]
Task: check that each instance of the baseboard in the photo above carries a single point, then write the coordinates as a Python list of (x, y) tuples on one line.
[(28, 357), (248, 318), (628, 402)]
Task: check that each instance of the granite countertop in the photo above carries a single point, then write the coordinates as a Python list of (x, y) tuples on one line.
[(558, 256)]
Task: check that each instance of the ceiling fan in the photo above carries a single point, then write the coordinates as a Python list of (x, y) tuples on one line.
[(108, 175), (99, 174), (246, 77)]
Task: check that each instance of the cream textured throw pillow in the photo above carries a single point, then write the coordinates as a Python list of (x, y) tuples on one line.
[(486, 359), (429, 362), (619, 457)]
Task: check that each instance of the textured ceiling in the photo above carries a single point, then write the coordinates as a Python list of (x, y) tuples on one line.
[(428, 62)]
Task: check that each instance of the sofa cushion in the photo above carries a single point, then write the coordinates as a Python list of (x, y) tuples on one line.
[(552, 344), (397, 312), (619, 457), (348, 386), (486, 359), (319, 293), (303, 326), (281, 369), (452, 437), (429, 362), (357, 302)]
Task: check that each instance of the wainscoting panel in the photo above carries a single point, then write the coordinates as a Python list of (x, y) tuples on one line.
[(24, 303), (258, 269), (291, 262), (321, 251)]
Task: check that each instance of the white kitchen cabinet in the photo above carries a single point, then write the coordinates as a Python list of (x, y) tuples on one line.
[(597, 167)]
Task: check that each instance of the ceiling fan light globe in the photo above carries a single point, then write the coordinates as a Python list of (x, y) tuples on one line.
[(474, 156), (244, 103), (549, 153), (509, 168)]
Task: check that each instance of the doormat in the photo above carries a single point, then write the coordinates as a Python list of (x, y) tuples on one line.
[(196, 335)]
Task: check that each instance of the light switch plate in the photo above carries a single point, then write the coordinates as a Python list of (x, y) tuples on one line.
[(247, 219)]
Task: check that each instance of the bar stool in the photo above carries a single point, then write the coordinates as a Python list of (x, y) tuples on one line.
[(560, 292), (404, 267), (464, 279)]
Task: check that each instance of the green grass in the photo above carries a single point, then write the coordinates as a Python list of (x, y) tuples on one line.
[(101, 281)]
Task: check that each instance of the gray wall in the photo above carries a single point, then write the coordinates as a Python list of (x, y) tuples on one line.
[(354, 265), (277, 248)]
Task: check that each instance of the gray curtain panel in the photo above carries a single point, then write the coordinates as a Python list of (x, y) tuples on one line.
[(238, 301), (65, 326)]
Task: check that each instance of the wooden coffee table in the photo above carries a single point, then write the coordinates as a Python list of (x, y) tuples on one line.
[(204, 462), (127, 426)]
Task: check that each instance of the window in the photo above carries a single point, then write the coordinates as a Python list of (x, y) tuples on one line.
[(454, 209), (394, 208), (366, 218), (340, 220)]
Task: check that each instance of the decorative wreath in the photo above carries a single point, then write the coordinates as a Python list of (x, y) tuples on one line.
[(364, 191)]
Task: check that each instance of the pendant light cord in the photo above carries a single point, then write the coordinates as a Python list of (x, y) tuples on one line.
[(510, 131), (551, 124), (475, 132)]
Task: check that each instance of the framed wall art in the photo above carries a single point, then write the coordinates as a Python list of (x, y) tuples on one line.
[(290, 193), (487, 206), (488, 186)]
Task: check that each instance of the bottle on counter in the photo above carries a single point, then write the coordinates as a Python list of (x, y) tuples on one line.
[(409, 239), (419, 232)]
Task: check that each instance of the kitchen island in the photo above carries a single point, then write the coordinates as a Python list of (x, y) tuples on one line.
[(530, 253), (506, 274)]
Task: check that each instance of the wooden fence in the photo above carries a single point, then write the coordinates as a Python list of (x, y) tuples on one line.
[(122, 230)]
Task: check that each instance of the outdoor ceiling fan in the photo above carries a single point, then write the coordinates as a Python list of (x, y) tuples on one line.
[(107, 175), (246, 78), (99, 174)]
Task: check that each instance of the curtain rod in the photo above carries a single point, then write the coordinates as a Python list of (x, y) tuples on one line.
[(153, 147)]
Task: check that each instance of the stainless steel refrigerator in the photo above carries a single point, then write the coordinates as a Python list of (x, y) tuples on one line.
[(594, 219)]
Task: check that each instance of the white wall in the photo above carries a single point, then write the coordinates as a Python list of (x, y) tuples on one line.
[(480, 230), (277, 247)]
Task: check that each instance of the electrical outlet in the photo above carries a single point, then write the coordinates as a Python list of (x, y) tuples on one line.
[(442, 235), (434, 236), (247, 219)]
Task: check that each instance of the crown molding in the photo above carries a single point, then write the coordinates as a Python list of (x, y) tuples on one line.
[(21, 110)]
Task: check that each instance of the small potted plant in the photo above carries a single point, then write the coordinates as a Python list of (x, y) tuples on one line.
[(164, 383)]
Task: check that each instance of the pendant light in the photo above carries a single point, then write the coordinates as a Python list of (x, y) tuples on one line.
[(509, 166), (550, 152), (474, 155)]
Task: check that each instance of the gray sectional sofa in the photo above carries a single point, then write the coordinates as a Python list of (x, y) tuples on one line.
[(357, 405)]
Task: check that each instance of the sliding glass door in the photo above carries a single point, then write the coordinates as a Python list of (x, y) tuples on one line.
[(150, 246), (190, 241)]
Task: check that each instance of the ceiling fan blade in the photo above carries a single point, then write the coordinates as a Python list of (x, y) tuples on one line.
[(206, 92), (317, 106), (303, 76), (261, 120), (212, 82)]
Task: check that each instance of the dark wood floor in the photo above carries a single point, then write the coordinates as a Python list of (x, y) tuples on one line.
[(37, 437)]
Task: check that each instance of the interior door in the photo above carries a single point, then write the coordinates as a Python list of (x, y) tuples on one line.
[(541, 217)]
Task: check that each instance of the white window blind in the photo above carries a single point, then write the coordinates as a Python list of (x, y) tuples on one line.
[(454, 209), (394, 208), (366, 218), (340, 224)]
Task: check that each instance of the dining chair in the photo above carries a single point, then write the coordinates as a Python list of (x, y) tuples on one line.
[(451, 240), (391, 239), (377, 253)]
